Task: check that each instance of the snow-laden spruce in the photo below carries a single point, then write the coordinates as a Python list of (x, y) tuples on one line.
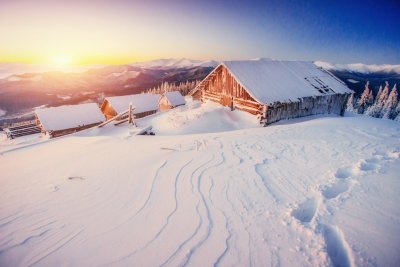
[(384, 106)]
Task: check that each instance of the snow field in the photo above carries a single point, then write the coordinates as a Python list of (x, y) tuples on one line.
[(309, 192)]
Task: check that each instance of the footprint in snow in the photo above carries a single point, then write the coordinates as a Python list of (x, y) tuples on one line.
[(305, 211), (345, 172), (334, 190), (367, 165), (336, 246)]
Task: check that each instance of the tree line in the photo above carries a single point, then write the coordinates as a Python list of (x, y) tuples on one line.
[(183, 87), (384, 105)]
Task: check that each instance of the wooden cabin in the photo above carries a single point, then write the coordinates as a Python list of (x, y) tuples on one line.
[(22, 129), (274, 90), (143, 104), (58, 121), (170, 100)]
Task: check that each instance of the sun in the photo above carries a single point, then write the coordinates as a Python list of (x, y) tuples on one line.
[(61, 60)]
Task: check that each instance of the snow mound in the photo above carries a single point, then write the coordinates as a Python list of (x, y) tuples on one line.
[(195, 118)]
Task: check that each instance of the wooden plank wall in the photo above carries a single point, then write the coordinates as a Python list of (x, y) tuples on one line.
[(223, 83), (224, 89), (71, 130)]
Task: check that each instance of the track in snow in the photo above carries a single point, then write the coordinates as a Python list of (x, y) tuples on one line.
[(266, 197)]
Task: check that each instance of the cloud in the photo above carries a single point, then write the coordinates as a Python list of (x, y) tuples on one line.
[(359, 67)]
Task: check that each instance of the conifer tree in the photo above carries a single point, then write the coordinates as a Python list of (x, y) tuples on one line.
[(385, 93), (390, 105), (183, 87), (350, 104), (363, 101), (397, 118), (379, 93), (376, 109), (370, 100)]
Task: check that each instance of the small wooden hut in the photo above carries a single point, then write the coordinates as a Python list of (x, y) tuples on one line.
[(274, 90), (57, 121), (170, 100), (143, 104), (22, 129)]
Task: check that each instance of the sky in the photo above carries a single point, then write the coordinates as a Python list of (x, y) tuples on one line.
[(122, 31)]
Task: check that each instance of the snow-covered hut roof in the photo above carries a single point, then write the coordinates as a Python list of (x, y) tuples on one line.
[(269, 81), (141, 102), (68, 117), (175, 98)]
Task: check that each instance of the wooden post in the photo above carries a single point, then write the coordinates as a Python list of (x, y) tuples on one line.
[(130, 113)]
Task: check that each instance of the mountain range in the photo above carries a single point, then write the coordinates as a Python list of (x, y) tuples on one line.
[(20, 92)]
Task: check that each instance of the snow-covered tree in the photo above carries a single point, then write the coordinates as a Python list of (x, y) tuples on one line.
[(378, 95), (385, 93), (183, 87), (370, 100), (390, 105), (362, 103), (376, 109), (398, 112), (350, 104)]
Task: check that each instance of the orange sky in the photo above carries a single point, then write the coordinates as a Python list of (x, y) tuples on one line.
[(79, 34)]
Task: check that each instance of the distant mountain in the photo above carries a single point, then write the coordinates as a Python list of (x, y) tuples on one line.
[(21, 92), (176, 63), (360, 68), (8, 69), (356, 75)]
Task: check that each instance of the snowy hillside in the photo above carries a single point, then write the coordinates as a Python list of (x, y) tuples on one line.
[(319, 191)]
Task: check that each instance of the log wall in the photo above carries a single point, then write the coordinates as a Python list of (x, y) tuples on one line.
[(71, 130), (223, 88)]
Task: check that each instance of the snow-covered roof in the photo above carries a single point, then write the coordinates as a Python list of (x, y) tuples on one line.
[(269, 81), (67, 117), (175, 98), (141, 102)]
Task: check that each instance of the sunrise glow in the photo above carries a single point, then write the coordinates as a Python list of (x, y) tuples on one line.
[(61, 60)]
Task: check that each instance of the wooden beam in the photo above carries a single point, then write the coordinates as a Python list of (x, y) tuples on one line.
[(130, 113)]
